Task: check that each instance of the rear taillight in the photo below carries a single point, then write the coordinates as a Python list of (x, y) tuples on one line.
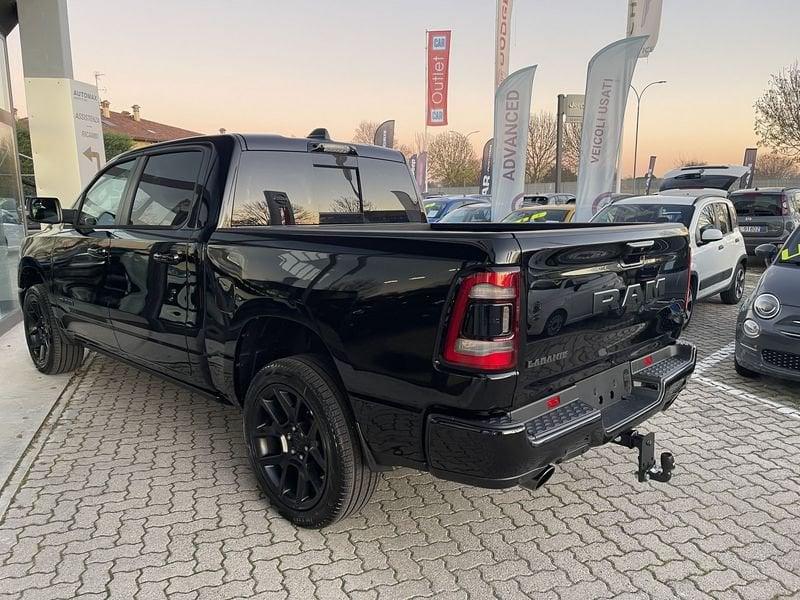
[(483, 329)]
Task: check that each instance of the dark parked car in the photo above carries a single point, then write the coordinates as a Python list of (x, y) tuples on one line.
[(437, 208), (768, 327), (479, 212), (297, 279), (766, 215)]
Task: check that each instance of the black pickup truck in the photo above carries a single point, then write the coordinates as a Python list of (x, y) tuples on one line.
[(298, 279)]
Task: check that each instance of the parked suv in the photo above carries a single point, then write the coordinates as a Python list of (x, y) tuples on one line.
[(719, 259), (766, 215)]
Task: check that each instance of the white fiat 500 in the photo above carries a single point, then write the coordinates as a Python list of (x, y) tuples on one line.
[(719, 258)]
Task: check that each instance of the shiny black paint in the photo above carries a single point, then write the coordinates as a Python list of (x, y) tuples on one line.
[(377, 298)]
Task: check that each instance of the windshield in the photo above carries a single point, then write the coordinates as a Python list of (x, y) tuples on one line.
[(469, 214), (758, 205), (537, 216), (434, 208), (645, 213), (691, 181)]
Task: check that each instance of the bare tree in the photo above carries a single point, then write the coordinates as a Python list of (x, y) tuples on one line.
[(365, 132), (778, 113), (572, 147), (257, 213), (777, 166), (541, 153), (405, 149), (452, 160), (689, 161)]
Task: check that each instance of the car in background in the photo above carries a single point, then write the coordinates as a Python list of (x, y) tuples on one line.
[(768, 325), (719, 260), (12, 231), (541, 214), (548, 198), (477, 212), (437, 208), (708, 177), (766, 215)]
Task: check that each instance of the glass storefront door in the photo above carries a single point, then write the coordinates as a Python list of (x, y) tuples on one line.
[(12, 222)]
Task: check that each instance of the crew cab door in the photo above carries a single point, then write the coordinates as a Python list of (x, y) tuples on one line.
[(733, 245), (80, 258), (153, 262)]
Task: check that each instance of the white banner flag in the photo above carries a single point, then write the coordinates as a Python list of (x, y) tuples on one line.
[(512, 111), (502, 41), (607, 83), (644, 18)]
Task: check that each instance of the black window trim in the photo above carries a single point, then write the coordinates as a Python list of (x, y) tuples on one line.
[(202, 180)]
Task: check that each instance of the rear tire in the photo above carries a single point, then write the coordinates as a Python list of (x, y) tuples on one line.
[(302, 443), (690, 304), (744, 371), (52, 353), (734, 293)]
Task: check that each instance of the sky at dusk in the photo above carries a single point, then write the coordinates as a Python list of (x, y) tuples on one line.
[(287, 67)]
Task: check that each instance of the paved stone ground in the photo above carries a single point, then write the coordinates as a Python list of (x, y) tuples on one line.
[(140, 489)]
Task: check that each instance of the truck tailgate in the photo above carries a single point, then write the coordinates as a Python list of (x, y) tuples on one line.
[(610, 295)]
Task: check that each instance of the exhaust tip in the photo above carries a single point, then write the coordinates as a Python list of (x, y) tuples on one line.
[(534, 483)]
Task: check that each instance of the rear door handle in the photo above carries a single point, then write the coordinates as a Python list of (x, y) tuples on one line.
[(170, 258)]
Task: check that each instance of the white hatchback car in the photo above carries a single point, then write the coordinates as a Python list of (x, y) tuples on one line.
[(719, 259)]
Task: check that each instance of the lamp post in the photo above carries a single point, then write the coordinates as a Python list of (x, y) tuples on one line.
[(636, 143)]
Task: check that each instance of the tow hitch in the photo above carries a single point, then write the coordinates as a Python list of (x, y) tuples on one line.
[(646, 444)]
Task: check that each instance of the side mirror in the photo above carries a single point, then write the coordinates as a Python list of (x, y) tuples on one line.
[(44, 210), (767, 252), (712, 234)]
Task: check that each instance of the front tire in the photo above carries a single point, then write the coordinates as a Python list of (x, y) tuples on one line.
[(302, 443), (690, 304), (734, 293), (52, 353)]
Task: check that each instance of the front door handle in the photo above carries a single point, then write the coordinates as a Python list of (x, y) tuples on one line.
[(97, 252), (170, 258), (721, 247)]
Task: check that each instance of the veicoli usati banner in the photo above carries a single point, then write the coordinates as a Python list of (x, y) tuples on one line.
[(512, 112), (608, 81), (384, 135)]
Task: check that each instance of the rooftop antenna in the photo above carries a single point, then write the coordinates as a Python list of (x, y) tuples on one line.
[(97, 76)]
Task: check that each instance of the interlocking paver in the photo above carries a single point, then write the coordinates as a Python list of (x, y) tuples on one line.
[(143, 490)]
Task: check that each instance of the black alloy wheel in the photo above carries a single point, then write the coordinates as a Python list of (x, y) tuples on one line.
[(289, 447), (303, 444), (38, 333)]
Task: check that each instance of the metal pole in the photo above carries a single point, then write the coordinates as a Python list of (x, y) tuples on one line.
[(559, 138), (636, 142)]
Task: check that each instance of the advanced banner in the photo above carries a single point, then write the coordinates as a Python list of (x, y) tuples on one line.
[(608, 80), (438, 77), (750, 163), (485, 182), (502, 41), (644, 18), (384, 135), (512, 112)]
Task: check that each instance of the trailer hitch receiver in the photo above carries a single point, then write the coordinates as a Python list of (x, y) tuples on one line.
[(645, 443)]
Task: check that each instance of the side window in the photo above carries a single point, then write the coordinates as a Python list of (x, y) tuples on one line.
[(705, 220), (723, 218), (389, 192), (102, 201), (797, 202), (166, 190)]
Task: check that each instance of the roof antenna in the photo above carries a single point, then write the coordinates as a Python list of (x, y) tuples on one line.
[(320, 133)]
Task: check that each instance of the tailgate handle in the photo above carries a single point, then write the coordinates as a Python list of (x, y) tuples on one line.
[(642, 244)]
